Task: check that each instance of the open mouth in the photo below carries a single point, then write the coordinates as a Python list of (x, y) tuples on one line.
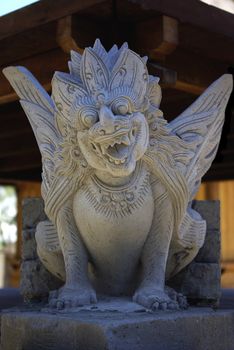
[(116, 149)]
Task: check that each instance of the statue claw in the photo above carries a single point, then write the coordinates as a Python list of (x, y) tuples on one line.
[(156, 299), (67, 298)]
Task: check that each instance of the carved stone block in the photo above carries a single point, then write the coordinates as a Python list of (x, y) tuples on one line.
[(200, 280), (36, 281), (194, 329)]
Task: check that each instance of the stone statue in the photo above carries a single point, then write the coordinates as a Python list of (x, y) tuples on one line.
[(117, 179)]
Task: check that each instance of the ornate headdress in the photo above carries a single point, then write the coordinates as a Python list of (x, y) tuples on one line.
[(99, 76)]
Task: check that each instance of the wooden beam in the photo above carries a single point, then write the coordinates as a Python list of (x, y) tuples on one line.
[(20, 163), (17, 152), (12, 96), (220, 171), (194, 72), (41, 12), (192, 12), (24, 175), (13, 120), (42, 66), (157, 37), (13, 133), (13, 146), (168, 77), (85, 30), (189, 87), (207, 43), (29, 43), (64, 35)]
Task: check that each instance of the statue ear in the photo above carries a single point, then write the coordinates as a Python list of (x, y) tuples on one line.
[(94, 72), (64, 89), (130, 71), (154, 92)]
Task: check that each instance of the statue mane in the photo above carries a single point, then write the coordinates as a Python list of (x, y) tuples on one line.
[(95, 78)]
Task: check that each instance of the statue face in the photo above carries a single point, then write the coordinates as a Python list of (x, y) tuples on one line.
[(113, 138), (106, 100)]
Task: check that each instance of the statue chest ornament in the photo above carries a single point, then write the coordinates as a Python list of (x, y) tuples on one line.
[(114, 203), (118, 219)]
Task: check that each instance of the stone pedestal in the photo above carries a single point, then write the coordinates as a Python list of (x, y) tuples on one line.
[(193, 329)]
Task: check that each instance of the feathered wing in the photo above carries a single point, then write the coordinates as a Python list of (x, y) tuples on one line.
[(40, 111), (43, 116), (181, 152), (200, 126)]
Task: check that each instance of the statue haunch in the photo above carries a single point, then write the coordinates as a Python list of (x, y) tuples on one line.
[(118, 180)]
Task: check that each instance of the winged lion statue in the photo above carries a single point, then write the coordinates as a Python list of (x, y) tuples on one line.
[(117, 178)]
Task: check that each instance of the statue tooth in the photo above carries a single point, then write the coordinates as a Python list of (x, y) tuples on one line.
[(125, 140), (103, 149)]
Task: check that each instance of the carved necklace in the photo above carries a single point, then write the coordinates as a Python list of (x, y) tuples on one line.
[(117, 202)]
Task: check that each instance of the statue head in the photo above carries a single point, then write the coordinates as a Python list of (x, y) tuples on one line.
[(108, 98)]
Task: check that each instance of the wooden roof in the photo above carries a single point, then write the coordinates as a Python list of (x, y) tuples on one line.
[(189, 44)]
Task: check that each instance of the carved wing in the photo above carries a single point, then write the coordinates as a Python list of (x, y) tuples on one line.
[(200, 126), (63, 165), (40, 111)]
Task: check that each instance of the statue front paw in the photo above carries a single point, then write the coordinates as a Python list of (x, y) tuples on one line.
[(154, 299), (179, 297), (71, 297)]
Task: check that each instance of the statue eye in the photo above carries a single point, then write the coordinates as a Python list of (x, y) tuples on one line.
[(121, 106), (89, 116)]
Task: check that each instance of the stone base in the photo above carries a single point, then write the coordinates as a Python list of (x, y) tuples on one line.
[(193, 329)]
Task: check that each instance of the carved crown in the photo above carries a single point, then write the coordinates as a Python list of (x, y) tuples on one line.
[(98, 76)]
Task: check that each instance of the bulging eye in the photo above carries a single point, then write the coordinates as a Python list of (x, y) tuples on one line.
[(121, 106), (89, 116)]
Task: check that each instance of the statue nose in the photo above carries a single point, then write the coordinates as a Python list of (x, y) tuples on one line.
[(107, 119)]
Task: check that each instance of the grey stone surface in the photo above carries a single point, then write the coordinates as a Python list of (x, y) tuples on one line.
[(200, 280), (194, 329), (36, 281), (10, 297), (210, 211), (33, 212), (29, 250), (210, 252)]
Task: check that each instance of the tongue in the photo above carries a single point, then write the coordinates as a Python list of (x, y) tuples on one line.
[(118, 151)]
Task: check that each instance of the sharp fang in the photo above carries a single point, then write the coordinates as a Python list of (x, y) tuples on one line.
[(117, 161), (123, 161), (103, 149), (126, 140)]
